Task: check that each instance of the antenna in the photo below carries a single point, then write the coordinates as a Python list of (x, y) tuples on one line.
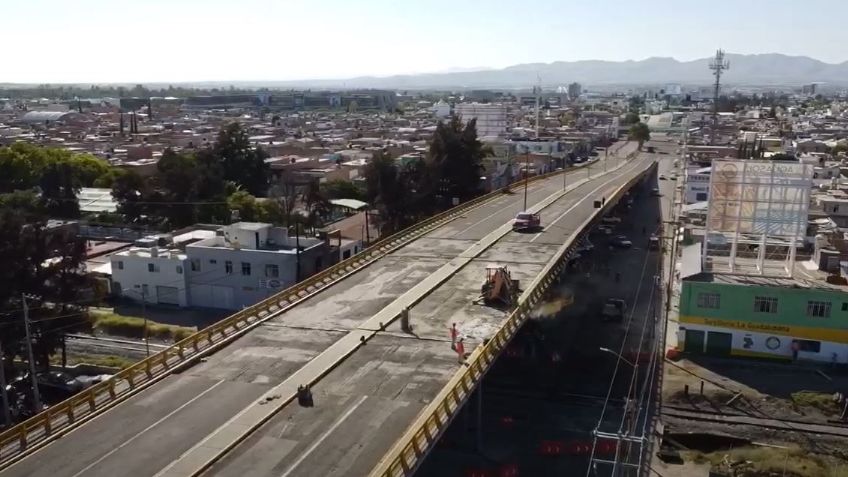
[(718, 65)]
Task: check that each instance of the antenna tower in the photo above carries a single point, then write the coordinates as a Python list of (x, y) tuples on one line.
[(718, 65)]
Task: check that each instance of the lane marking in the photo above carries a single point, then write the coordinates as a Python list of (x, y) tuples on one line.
[(324, 436), (146, 429), (579, 202)]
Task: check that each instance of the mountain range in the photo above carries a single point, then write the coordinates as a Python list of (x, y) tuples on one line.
[(759, 69)]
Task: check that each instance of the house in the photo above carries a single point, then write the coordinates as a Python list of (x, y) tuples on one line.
[(229, 268)]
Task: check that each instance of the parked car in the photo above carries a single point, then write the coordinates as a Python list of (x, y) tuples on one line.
[(526, 221), (621, 241), (613, 309), (654, 243), (655, 192), (603, 230), (611, 220)]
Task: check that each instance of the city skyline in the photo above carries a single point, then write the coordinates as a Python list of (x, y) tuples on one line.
[(106, 42)]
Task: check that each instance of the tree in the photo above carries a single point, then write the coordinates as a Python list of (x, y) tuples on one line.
[(317, 205), (384, 191), (48, 266), (454, 161), (631, 118), (640, 132), (245, 204), (59, 189), (341, 189), (129, 190), (242, 164)]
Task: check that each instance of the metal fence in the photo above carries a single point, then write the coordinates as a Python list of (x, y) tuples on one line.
[(410, 450), (55, 421)]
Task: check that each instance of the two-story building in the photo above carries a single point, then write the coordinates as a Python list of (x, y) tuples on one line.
[(803, 318), (235, 267)]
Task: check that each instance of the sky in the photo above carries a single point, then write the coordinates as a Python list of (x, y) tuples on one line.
[(80, 41)]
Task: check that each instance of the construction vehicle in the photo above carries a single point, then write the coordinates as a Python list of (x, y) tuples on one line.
[(499, 286)]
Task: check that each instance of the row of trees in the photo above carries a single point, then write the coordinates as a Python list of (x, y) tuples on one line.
[(404, 193), (196, 186), (56, 174)]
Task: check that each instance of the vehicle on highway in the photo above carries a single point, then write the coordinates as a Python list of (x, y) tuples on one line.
[(526, 221), (655, 192), (613, 309), (611, 220), (654, 243), (621, 241), (603, 230)]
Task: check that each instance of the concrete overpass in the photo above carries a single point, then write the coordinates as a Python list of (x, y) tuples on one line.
[(222, 403)]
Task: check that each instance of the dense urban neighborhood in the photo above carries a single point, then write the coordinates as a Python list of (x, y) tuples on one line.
[(664, 274)]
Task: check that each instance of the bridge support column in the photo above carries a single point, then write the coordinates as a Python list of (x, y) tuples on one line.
[(479, 406)]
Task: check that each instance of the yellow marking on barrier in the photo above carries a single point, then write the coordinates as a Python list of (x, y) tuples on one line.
[(396, 455), (366, 257)]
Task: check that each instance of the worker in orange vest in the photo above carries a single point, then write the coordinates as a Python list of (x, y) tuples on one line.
[(454, 333), (460, 350)]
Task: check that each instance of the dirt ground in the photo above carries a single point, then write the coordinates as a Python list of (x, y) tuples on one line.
[(766, 390)]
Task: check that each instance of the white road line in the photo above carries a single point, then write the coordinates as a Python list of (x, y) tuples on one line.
[(324, 436), (146, 429), (579, 202)]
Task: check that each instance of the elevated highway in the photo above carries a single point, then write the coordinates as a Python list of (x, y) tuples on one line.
[(222, 404)]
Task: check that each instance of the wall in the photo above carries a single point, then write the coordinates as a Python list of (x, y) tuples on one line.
[(135, 274), (769, 334), (212, 287)]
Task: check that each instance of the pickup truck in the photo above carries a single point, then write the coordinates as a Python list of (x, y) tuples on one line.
[(526, 221), (613, 310)]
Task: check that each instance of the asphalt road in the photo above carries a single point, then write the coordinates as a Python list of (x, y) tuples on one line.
[(537, 413), (362, 405)]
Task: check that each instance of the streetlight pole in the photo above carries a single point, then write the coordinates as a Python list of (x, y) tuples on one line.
[(36, 398), (7, 416), (144, 317), (619, 356), (526, 175)]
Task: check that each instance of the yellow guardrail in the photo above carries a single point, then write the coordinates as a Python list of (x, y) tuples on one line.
[(27, 436), (410, 450)]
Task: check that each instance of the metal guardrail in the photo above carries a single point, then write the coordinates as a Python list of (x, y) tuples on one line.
[(28, 436), (405, 457)]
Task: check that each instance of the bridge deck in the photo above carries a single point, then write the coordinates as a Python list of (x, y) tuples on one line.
[(365, 402)]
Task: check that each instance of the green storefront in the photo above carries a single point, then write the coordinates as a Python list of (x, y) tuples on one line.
[(762, 317)]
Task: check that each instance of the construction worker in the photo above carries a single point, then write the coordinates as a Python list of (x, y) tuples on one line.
[(460, 350), (454, 333)]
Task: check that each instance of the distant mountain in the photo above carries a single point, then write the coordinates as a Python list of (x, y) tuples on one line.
[(762, 69)]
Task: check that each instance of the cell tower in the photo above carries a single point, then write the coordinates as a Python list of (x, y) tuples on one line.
[(718, 65)]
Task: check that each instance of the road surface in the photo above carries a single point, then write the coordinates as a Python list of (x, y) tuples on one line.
[(369, 394)]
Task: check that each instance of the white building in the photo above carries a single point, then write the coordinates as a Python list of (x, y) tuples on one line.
[(491, 118), (153, 274), (697, 185), (441, 109), (239, 265)]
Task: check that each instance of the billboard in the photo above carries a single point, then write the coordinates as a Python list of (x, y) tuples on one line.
[(759, 198)]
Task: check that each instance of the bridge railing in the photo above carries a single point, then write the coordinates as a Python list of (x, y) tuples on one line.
[(53, 422), (408, 453)]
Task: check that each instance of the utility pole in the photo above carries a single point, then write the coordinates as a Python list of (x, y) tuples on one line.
[(144, 317), (7, 416), (367, 230), (297, 251), (36, 398), (718, 65), (526, 175), (538, 91)]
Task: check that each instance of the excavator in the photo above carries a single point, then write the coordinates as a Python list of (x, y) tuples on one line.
[(499, 286)]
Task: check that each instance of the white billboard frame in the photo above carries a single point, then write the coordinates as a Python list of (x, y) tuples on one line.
[(760, 205)]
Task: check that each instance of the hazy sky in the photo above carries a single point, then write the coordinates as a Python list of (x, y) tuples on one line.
[(192, 40)]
